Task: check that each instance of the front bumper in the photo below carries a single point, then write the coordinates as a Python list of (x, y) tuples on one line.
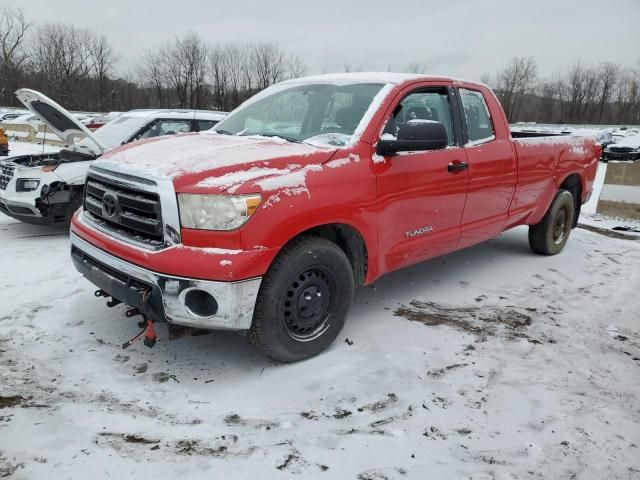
[(162, 297), (623, 156), (23, 211)]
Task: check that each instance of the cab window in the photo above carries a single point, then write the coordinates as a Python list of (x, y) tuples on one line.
[(167, 127), (423, 105), (204, 125), (476, 112)]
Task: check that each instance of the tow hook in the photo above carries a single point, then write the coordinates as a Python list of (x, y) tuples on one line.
[(112, 302), (146, 324), (132, 312), (149, 336)]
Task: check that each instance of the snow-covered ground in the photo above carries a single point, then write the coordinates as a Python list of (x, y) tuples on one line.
[(491, 362), (589, 216)]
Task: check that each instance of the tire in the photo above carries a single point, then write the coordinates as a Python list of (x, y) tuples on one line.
[(303, 300), (552, 233)]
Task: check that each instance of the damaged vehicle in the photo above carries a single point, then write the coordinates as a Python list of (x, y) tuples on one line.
[(47, 188), (265, 224)]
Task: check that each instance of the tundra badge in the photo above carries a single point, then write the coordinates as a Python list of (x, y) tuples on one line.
[(419, 231)]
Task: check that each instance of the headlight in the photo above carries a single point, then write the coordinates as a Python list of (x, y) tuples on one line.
[(27, 184), (216, 212)]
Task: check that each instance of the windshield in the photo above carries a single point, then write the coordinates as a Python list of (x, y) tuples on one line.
[(314, 113), (116, 131)]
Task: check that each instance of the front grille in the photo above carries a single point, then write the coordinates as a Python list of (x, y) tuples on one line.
[(130, 212), (6, 174), (621, 149)]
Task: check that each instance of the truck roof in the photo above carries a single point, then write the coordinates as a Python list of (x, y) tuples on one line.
[(374, 77)]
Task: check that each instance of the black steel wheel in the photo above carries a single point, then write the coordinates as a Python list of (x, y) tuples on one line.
[(303, 300), (307, 304)]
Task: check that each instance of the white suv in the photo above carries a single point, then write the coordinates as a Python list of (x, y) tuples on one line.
[(47, 188)]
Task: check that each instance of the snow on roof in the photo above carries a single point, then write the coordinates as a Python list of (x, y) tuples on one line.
[(371, 77), (632, 141)]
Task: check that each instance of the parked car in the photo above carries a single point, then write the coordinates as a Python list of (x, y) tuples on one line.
[(314, 186), (101, 120), (47, 188), (4, 144), (27, 118), (626, 149), (6, 116)]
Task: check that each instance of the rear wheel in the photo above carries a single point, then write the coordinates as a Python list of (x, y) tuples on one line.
[(303, 300), (552, 233)]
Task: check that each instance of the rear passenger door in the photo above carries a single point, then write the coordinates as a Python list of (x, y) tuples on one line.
[(492, 171)]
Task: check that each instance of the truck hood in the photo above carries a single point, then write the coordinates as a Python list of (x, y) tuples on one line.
[(211, 162), (60, 121)]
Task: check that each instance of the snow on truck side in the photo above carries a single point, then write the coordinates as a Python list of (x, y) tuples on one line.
[(318, 185)]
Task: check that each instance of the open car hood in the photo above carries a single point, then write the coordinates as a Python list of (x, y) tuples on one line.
[(60, 121)]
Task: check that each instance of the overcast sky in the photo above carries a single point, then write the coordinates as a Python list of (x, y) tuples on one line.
[(455, 37)]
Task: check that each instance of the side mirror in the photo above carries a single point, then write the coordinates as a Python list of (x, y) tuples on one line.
[(415, 135)]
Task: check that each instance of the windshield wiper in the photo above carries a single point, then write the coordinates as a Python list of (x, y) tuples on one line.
[(223, 132)]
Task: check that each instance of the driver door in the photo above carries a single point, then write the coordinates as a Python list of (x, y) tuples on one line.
[(421, 198)]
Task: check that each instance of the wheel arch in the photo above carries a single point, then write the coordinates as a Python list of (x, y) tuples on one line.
[(573, 184), (351, 242)]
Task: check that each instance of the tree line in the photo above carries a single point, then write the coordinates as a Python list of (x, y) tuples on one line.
[(606, 93), (79, 68)]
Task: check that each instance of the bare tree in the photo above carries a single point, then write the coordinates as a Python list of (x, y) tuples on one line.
[(348, 68), (61, 57), (103, 60), (608, 77), (13, 54), (192, 55), (269, 63), (296, 66), (218, 60), (151, 75), (514, 82), (415, 67), (177, 71)]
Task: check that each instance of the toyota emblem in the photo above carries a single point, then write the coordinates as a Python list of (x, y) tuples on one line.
[(109, 205)]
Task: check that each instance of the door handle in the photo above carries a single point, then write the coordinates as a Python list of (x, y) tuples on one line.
[(457, 167)]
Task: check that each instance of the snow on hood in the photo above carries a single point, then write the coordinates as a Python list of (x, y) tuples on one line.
[(632, 141), (202, 161)]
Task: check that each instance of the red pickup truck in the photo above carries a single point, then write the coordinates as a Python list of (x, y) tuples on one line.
[(315, 186)]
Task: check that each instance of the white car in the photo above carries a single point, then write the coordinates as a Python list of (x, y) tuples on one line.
[(10, 115), (25, 118), (47, 188)]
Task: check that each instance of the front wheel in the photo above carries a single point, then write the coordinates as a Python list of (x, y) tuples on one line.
[(303, 300), (550, 235)]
